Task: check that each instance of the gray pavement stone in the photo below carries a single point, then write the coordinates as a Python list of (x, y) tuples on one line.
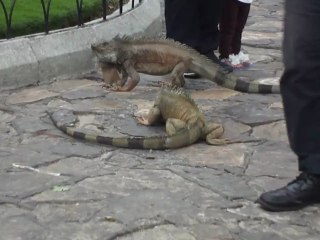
[(210, 232), (7, 135), (253, 113), (29, 95), (25, 227), (201, 155), (260, 235), (74, 166), (22, 184), (28, 124), (6, 117), (161, 233), (83, 94), (228, 185), (275, 131), (275, 54), (72, 84), (98, 105), (265, 161), (55, 187), (66, 148), (25, 156)]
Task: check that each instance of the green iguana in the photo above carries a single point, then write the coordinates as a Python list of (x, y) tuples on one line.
[(185, 124), (160, 57)]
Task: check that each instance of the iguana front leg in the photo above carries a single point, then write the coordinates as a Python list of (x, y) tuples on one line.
[(154, 115), (110, 74), (130, 77)]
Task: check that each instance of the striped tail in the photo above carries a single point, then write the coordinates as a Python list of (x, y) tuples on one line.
[(215, 73), (232, 82), (183, 138)]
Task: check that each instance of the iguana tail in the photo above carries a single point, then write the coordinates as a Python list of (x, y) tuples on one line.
[(233, 82), (182, 138), (216, 74)]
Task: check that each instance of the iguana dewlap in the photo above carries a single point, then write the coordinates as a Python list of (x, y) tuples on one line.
[(165, 56)]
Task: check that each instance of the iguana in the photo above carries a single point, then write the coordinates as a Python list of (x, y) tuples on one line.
[(185, 124), (165, 56)]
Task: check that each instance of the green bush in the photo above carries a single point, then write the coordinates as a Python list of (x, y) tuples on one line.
[(28, 15)]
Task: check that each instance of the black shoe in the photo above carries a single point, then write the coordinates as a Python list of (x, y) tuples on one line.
[(215, 59), (191, 75), (301, 192)]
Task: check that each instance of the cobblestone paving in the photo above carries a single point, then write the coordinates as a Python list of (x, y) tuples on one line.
[(55, 187)]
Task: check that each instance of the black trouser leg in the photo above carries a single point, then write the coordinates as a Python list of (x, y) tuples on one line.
[(243, 13), (228, 25), (210, 11), (183, 21), (300, 83), (194, 23)]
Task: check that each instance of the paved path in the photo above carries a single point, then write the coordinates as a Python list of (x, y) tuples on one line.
[(54, 187)]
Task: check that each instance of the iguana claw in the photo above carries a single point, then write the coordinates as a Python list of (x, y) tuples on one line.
[(218, 141), (143, 121), (142, 117)]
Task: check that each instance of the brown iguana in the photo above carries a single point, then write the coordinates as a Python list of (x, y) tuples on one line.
[(185, 124), (164, 56)]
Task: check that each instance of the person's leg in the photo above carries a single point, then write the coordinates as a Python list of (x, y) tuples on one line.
[(182, 22), (184, 25), (227, 28), (210, 11), (243, 13), (300, 84), (300, 89)]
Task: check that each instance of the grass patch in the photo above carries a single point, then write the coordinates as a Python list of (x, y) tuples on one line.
[(28, 15)]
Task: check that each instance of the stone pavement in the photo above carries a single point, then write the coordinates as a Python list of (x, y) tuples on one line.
[(54, 187)]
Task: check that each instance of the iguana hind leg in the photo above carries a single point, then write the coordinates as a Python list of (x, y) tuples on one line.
[(214, 131), (212, 134), (174, 125)]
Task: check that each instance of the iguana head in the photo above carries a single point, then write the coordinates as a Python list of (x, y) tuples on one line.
[(106, 51)]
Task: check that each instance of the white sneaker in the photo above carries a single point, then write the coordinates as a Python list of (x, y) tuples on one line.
[(244, 58), (235, 61)]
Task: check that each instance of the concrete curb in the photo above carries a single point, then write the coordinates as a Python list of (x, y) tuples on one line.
[(39, 59)]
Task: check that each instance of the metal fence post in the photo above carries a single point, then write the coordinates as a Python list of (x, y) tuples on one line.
[(8, 17), (104, 9), (121, 6), (46, 11), (79, 11)]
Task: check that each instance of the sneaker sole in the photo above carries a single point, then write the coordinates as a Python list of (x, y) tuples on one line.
[(191, 75)]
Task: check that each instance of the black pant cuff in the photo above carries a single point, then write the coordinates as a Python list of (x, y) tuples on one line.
[(310, 164)]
